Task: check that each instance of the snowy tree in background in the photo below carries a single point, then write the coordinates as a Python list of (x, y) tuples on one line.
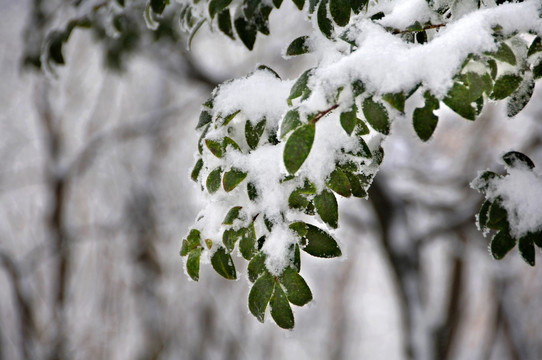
[(274, 154)]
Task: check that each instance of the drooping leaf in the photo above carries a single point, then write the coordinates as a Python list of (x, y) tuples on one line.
[(213, 180), (349, 119), (298, 46), (256, 266), (223, 264), (459, 100), (483, 215), (498, 217), (298, 147), (300, 87), (526, 249), (247, 244), (204, 119), (158, 6), (326, 207), (355, 184), (224, 23), (233, 178), (338, 182), (259, 296), (192, 264), (254, 133), (246, 31), (505, 85), (299, 4), (340, 11), (216, 6), (320, 244), (197, 168), (324, 24), (376, 116), (230, 237), (290, 122), (501, 244), (424, 120), (280, 309), (297, 290), (537, 69), (520, 98), (358, 5), (191, 242), (232, 214), (396, 100)]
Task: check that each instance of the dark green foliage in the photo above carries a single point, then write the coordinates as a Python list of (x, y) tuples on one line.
[(260, 294), (192, 241), (349, 120), (396, 100), (256, 266), (298, 147), (224, 23), (280, 309), (192, 264), (254, 133), (246, 31), (158, 6), (197, 168), (290, 122), (526, 249), (520, 98), (338, 182), (213, 180), (504, 54), (327, 208), (233, 178), (505, 85), (216, 6), (298, 46), (223, 264), (319, 243), (501, 244), (376, 116), (297, 290), (325, 25), (232, 214), (424, 120), (300, 88), (515, 158), (340, 11), (299, 4), (247, 244)]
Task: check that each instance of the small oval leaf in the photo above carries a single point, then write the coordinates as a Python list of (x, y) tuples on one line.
[(297, 290), (223, 264), (326, 207), (259, 296), (298, 147), (280, 309), (376, 116), (320, 243)]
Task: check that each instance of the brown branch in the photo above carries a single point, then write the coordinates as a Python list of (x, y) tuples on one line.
[(323, 113)]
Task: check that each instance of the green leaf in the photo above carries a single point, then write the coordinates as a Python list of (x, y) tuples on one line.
[(424, 120), (358, 88), (349, 119), (361, 128), (498, 217), (277, 3), (296, 261), (55, 48), (204, 119), (537, 69), (213, 180), (520, 98), (197, 168), (298, 200), (324, 24), (247, 244), (216, 6), (223, 264), (358, 5), (340, 11), (300, 228), (501, 244), (158, 6), (298, 46), (254, 133), (269, 70), (252, 191), (504, 54), (202, 137), (300, 87), (290, 122), (355, 184), (483, 215), (299, 4), (505, 86), (256, 266), (459, 100), (493, 68), (536, 46), (228, 141), (338, 182), (326, 206), (229, 118), (191, 242), (320, 244), (230, 237), (281, 311), (246, 31), (526, 249), (535, 237), (376, 116), (476, 85), (192, 264), (515, 158), (233, 178), (297, 290), (232, 214), (215, 147), (259, 296), (224, 23), (396, 100), (298, 147)]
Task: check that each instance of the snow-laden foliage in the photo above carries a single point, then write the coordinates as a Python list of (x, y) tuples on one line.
[(274, 154)]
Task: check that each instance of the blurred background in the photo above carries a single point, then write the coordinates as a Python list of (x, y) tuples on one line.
[(95, 198)]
